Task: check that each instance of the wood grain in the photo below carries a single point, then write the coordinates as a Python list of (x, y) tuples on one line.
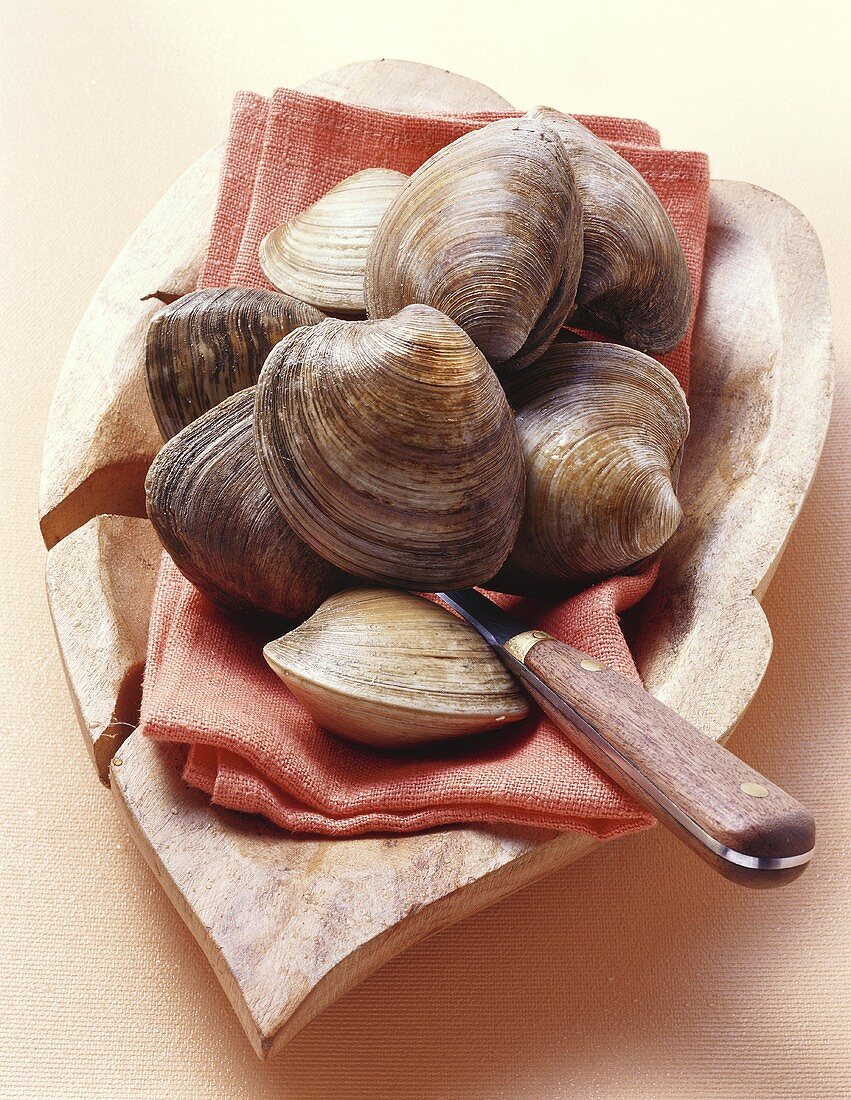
[(290, 923), (269, 918), (713, 693), (406, 86), (726, 798), (100, 583), (760, 397), (101, 434)]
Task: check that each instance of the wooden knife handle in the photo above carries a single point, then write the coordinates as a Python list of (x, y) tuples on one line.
[(739, 821)]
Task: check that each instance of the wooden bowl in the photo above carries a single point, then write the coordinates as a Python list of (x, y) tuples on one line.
[(760, 398)]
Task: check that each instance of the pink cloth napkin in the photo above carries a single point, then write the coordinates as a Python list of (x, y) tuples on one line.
[(251, 745)]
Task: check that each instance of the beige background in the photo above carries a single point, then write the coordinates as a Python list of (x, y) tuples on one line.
[(635, 974)]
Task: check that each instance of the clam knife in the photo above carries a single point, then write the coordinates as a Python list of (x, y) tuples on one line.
[(747, 828)]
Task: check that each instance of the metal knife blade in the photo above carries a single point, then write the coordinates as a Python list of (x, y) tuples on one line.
[(737, 820)]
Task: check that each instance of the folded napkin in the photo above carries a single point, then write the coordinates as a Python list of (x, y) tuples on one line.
[(251, 745)]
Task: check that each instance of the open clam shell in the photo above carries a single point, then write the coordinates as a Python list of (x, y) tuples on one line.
[(602, 429), (634, 284), (391, 449), (212, 511), (489, 231), (212, 343), (320, 256), (387, 668)]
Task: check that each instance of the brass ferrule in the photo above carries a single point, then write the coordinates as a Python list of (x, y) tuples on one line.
[(520, 644)]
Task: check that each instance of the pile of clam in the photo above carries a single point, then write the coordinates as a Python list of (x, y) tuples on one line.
[(408, 409)]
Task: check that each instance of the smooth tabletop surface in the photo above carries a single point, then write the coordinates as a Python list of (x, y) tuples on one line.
[(637, 973)]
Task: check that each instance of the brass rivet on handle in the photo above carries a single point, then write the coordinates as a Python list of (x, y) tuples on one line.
[(754, 789), (591, 666)]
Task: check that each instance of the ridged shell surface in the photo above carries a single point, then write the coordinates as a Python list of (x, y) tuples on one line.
[(489, 231), (320, 256), (391, 449), (602, 429), (634, 284), (213, 513), (388, 668), (212, 343)]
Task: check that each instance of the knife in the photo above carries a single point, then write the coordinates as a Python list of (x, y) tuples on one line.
[(747, 828)]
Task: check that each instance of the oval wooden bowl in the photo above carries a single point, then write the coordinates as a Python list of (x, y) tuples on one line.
[(263, 905)]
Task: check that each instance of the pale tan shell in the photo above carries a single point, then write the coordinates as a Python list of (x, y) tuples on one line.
[(210, 507), (320, 256), (210, 344), (635, 284), (391, 449), (489, 231), (387, 668), (602, 429)]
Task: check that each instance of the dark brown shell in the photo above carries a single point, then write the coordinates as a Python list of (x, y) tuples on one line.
[(634, 284), (391, 449), (213, 513), (602, 429), (212, 343), (489, 231)]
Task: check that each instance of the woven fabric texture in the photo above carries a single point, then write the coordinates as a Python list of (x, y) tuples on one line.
[(253, 746), (637, 974)]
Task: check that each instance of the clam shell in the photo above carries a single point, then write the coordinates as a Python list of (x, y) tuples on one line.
[(320, 256), (386, 668), (210, 507), (602, 429), (489, 231), (634, 284), (212, 343), (391, 449)]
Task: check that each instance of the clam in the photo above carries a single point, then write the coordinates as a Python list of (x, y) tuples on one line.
[(320, 256), (489, 231), (390, 447), (602, 429), (211, 509), (634, 284), (207, 345), (387, 668)]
